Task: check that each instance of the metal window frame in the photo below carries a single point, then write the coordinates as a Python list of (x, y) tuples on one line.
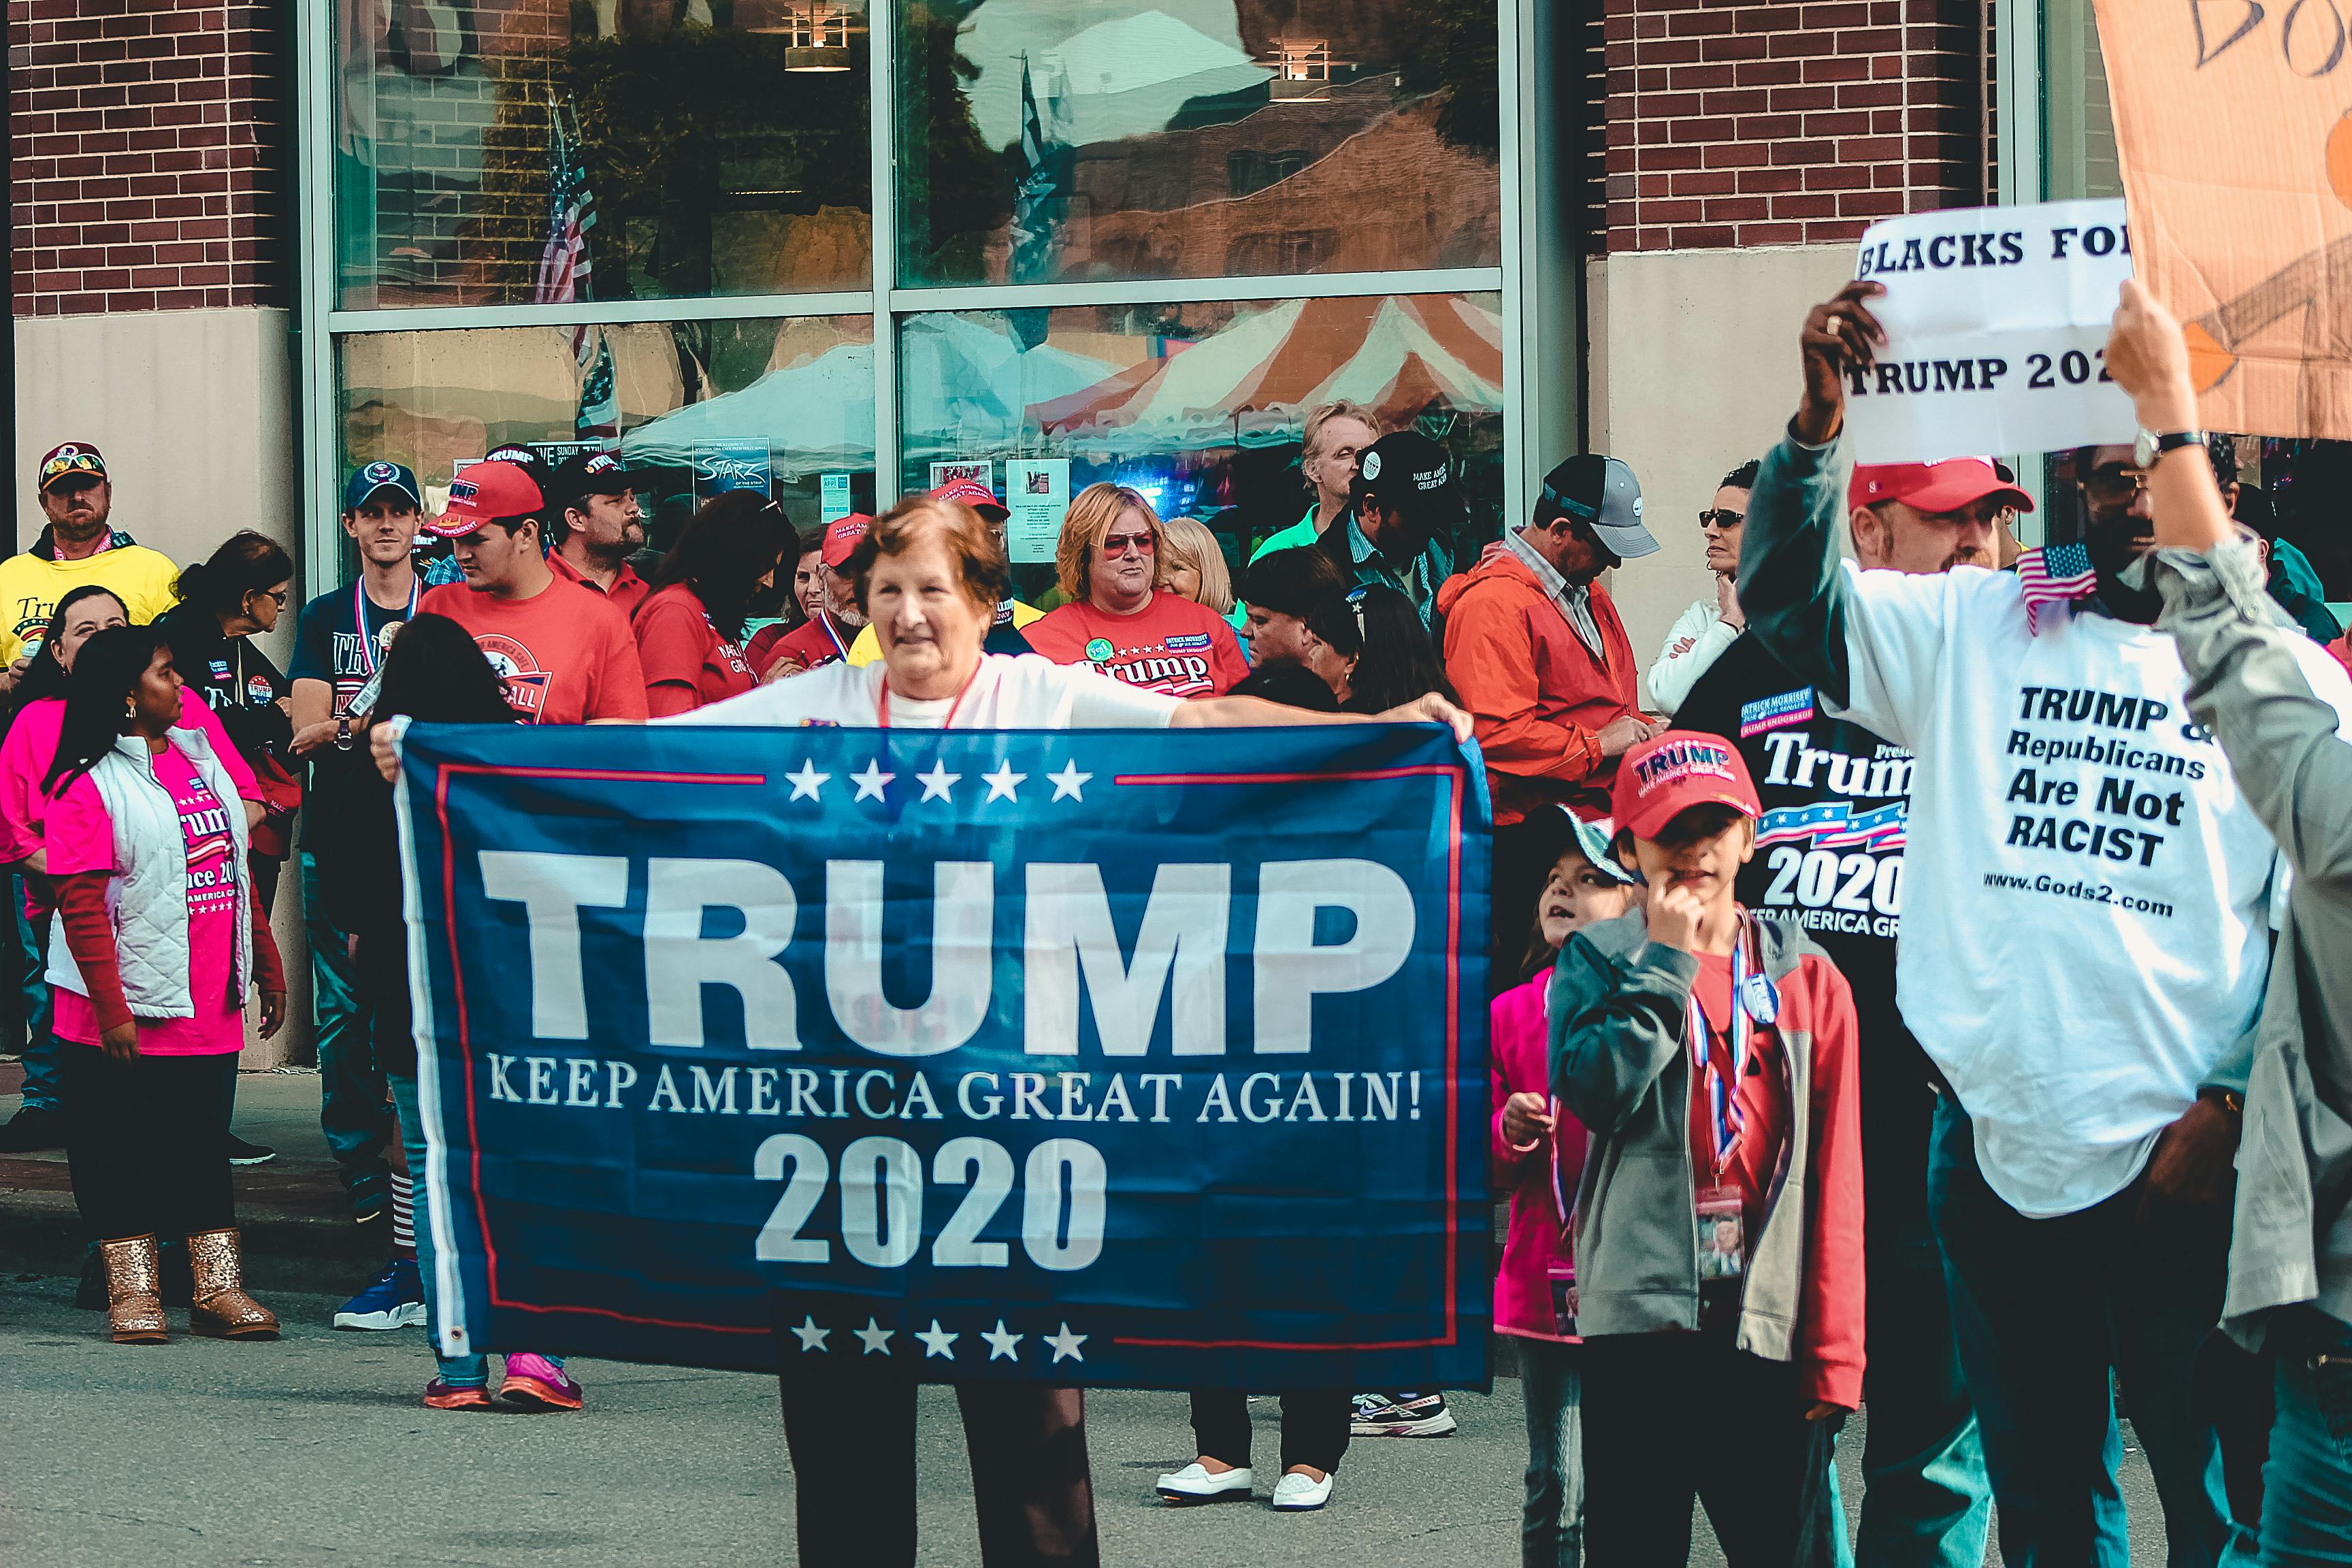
[(1527, 333)]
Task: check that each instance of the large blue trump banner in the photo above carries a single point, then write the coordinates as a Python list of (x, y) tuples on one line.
[(1136, 1057)]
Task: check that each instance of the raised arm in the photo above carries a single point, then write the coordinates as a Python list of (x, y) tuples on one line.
[(2247, 681), (1790, 587)]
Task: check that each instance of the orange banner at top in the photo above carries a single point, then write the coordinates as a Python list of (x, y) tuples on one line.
[(2231, 124)]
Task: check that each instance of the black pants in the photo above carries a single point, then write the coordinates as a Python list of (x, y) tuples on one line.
[(850, 1430), (147, 1141), (1520, 870), (1668, 1417), (1314, 1426)]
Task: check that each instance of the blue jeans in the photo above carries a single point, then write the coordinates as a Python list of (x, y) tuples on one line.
[(40, 1046), (1926, 1502), (2046, 1311), (464, 1369), (1551, 1527), (2307, 1481), (351, 1110)]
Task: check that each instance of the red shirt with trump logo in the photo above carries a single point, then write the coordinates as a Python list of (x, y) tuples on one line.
[(565, 654)]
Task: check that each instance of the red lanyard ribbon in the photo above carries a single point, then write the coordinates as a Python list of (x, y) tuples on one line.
[(1752, 1002), (882, 703), (359, 618)]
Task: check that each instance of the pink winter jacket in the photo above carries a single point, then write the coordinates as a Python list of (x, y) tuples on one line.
[(1519, 1053)]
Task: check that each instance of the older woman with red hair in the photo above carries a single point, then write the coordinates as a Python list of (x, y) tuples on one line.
[(930, 575)]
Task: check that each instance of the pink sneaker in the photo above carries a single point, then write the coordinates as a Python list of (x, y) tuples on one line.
[(537, 1382)]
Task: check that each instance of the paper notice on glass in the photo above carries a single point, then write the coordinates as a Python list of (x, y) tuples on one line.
[(833, 496), (1037, 492), (979, 470), (1996, 324)]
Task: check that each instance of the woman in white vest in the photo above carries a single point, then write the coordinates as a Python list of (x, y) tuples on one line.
[(158, 943)]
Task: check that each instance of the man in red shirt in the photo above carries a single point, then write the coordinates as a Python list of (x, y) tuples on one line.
[(563, 650), (824, 637), (596, 525), (1536, 649)]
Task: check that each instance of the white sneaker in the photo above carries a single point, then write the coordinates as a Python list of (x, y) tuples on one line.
[(1296, 1493), (1196, 1483)]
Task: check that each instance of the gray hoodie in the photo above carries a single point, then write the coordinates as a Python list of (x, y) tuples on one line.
[(2292, 1241)]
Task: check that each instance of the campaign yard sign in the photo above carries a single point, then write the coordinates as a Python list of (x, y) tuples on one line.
[(1137, 1058), (1996, 323)]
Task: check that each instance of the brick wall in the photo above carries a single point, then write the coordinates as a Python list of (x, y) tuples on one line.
[(149, 145), (1789, 122)]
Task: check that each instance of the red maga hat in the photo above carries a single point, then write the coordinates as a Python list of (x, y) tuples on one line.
[(975, 495), (486, 490), (1947, 486), (841, 537), (1662, 778)]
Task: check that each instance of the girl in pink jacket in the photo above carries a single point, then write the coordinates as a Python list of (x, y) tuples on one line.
[(1537, 1150)]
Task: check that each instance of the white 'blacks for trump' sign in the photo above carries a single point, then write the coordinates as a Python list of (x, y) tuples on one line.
[(1996, 323)]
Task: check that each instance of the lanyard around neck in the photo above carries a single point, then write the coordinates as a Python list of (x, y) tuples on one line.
[(360, 619), (824, 619), (1750, 1005), (882, 703)]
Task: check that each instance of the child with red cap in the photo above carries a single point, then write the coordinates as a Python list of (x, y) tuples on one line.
[(1710, 1053)]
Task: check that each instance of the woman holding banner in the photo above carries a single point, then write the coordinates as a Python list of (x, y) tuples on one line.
[(930, 575)]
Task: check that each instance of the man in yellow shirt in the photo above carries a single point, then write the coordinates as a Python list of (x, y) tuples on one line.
[(80, 545)]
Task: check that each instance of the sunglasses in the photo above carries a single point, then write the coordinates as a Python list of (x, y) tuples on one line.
[(1718, 518), (1120, 543), (2115, 487)]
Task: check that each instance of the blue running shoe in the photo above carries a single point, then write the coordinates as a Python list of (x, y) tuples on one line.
[(396, 1301)]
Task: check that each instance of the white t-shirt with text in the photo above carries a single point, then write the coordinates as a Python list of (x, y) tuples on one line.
[(1021, 692), (2086, 898)]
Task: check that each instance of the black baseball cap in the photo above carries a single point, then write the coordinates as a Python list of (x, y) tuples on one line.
[(589, 474), (1407, 471), (1602, 493)]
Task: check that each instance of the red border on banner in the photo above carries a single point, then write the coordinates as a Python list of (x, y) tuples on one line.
[(1452, 774)]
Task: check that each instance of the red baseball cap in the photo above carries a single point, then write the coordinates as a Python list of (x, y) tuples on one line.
[(1947, 486), (70, 460), (486, 490), (841, 537), (1661, 778), (975, 495)]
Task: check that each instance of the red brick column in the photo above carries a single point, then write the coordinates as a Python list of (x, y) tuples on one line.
[(1788, 121), (150, 155)]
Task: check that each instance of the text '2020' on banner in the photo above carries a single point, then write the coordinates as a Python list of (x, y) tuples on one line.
[(1134, 1058)]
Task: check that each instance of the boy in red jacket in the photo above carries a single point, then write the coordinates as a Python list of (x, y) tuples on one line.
[(1709, 1052)]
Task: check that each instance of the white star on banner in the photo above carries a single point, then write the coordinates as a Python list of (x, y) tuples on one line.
[(1069, 782), (877, 1338), (1004, 783), (869, 783), (1066, 1343), (1000, 1343), (812, 1337), (805, 782), (938, 781), (939, 1342)]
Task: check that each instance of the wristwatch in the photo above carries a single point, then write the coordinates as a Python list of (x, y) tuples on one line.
[(2148, 445), (342, 732)]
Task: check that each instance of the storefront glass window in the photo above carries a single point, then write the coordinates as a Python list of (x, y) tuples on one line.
[(1200, 405), (2078, 129), (1049, 140), (698, 408), (699, 147)]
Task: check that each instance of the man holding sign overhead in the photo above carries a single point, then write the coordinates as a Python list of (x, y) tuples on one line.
[(2085, 938)]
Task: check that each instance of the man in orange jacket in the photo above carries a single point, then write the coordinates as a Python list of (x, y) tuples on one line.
[(1539, 656)]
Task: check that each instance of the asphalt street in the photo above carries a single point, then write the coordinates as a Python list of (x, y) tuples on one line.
[(315, 1450)]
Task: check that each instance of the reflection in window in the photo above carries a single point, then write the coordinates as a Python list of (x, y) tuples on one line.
[(697, 405), (1046, 139), (1200, 405), (495, 152)]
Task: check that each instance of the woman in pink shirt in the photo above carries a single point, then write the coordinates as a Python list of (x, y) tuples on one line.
[(159, 939), (1537, 1150)]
